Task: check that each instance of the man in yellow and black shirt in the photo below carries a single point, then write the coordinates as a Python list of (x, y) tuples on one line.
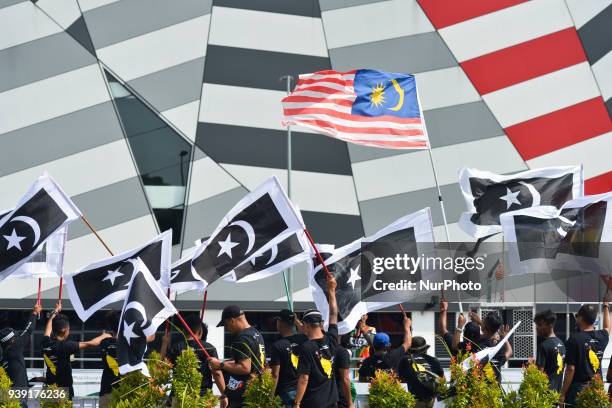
[(316, 387), (550, 356), (108, 349)]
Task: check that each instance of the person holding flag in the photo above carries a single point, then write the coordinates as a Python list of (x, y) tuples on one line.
[(108, 353), (248, 355), (316, 387)]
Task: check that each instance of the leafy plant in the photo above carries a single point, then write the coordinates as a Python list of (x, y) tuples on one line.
[(187, 382), (260, 392), (387, 392), (474, 388), (60, 403), (135, 390), (533, 392), (593, 395), (5, 385)]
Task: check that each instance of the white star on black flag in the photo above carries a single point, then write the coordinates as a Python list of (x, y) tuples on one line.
[(256, 224), (42, 211), (488, 195), (145, 308), (101, 283)]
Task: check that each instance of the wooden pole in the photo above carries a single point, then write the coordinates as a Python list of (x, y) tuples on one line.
[(203, 309), (39, 288), (97, 235)]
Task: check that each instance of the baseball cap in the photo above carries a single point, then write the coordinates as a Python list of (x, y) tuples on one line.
[(312, 316), (381, 339), (230, 312), (6, 334), (285, 315)]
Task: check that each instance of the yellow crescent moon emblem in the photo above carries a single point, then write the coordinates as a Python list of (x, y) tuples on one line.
[(400, 92)]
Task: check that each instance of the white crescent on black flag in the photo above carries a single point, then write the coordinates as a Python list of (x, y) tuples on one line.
[(256, 224), (542, 238), (488, 195), (42, 211), (47, 260), (145, 308), (403, 236), (183, 277), (103, 282)]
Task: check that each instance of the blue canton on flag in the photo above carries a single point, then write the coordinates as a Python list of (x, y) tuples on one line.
[(381, 93)]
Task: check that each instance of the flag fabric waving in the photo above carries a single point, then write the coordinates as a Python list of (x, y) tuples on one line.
[(487, 195), (104, 282), (346, 264), (42, 211), (256, 224), (183, 277), (573, 237), (487, 354), (47, 260), (145, 308), (363, 106)]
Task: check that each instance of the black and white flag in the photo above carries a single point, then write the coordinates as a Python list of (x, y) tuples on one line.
[(145, 308), (103, 282), (42, 211), (288, 252), (406, 235), (325, 250), (488, 195), (183, 277), (257, 223), (47, 261), (573, 237)]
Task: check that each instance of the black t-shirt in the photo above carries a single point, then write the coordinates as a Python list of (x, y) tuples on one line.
[(57, 355), (283, 353), (498, 360), (12, 355), (410, 366), (178, 347), (550, 357), (387, 361), (342, 361), (316, 358), (248, 344), (110, 370), (585, 351)]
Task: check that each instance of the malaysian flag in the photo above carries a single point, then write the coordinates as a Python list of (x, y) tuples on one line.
[(364, 106)]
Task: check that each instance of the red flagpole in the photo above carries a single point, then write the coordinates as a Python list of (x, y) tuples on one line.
[(319, 257), (61, 284), (39, 287), (203, 305), (192, 335), (168, 321)]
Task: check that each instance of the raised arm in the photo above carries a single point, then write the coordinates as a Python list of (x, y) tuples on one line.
[(605, 309), (95, 342), (49, 325), (331, 294), (407, 323), (457, 334), (442, 322)]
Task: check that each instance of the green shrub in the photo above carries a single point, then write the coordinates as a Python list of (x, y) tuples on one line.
[(5, 385), (593, 395), (61, 403), (474, 388), (533, 392), (387, 392), (187, 382), (260, 392), (135, 390)]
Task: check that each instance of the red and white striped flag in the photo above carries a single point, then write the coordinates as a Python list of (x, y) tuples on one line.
[(365, 107)]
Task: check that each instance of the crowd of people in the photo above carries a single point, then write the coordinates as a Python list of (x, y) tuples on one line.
[(311, 365)]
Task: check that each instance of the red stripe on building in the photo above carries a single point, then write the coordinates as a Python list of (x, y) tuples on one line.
[(561, 128), (599, 184), (525, 61), (446, 13)]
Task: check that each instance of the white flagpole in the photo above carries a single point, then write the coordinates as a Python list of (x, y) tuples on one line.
[(287, 275), (435, 175)]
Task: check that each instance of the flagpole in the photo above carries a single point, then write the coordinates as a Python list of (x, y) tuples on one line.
[(39, 287), (203, 305), (193, 335), (86, 221), (61, 282), (168, 320), (435, 175), (288, 280), (319, 257)]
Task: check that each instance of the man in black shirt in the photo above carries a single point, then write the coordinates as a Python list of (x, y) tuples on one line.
[(421, 373), (453, 342), (283, 357), (550, 356), (247, 351), (13, 344), (316, 386), (342, 365), (58, 351), (383, 358), (175, 349), (585, 351), (110, 367)]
